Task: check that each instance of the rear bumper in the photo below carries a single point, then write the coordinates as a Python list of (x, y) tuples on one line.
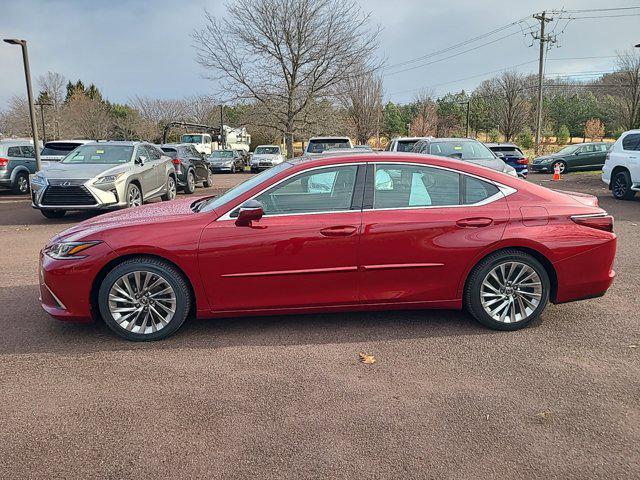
[(586, 275)]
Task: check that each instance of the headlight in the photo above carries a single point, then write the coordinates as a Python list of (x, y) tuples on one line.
[(66, 250), (228, 163), (108, 178), (38, 179)]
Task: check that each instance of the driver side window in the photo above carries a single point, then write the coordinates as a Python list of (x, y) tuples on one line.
[(322, 190)]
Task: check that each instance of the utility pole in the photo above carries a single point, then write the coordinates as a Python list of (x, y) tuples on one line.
[(468, 117), (222, 135), (544, 40), (44, 132)]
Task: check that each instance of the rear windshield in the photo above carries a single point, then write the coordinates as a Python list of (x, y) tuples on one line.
[(405, 145), (59, 148), (99, 154), (320, 145), (466, 150), (221, 154), (267, 150), (511, 151), (192, 139), (171, 152)]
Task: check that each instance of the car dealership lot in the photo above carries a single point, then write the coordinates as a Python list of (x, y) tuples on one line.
[(282, 397)]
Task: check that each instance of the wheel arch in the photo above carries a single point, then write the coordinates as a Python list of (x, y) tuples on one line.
[(18, 169), (616, 170), (537, 254), (107, 267)]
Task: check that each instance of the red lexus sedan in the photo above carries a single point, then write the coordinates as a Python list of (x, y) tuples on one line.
[(368, 231)]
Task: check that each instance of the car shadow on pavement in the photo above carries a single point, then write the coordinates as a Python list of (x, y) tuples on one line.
[(28, 329)]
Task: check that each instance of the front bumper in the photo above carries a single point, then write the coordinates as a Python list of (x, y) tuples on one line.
[(65, 285), (220, 168), (81, 196), (541, 167)]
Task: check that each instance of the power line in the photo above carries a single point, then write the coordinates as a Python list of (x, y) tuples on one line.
[(587, 10)]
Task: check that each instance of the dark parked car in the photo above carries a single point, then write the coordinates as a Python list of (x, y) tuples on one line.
[(17, 161), (465, 149), (225, 161), (191, 166), (56, 150), (511, 155), (584, 156)]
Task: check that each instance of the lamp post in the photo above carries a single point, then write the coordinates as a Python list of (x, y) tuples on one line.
[(32, 109)]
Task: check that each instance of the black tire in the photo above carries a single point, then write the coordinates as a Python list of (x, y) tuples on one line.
[(158, 267), (563, 166), (134, 200), (209, 181), (621, 186), (233, 168), (190, 187), (20, 184), (171, 189), (53, 213), (473, 303)]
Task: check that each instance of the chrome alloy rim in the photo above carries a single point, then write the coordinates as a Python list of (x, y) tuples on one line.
[(560, 166), (171, 188), (134, 199), (191, 181), (511, 292), (142, 302), (23, 184)]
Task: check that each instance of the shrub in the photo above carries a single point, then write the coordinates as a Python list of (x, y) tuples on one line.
[(494, 135), (525, 138), (563, 135)]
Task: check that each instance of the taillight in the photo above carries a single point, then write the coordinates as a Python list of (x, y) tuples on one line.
[(4, 162), (176, 161), (600, 222), (523, 161)]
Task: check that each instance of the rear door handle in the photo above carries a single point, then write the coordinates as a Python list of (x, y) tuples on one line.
[(474, 222), (339, 231)]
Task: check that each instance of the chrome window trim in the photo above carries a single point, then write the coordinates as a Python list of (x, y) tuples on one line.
[(504, 190)]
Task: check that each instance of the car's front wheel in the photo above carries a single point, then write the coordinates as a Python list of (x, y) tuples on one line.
[(144, 299), (134, 195), (171, 189), (507, 290), (621, 186)]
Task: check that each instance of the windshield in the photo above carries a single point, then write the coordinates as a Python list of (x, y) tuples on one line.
[(405, 145), (221, 154), (267, 150), (107, 154), (465, 150), (568, 150), (58, 148), (244, 187), (320, 145), (191, 139)]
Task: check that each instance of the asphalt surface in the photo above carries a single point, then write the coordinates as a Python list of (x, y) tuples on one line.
[(286, 397)]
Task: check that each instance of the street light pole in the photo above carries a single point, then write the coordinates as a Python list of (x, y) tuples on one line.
[(32, 109)]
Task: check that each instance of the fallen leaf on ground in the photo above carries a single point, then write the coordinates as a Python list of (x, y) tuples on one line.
[(367, 358), (633, 346), (544, 416)]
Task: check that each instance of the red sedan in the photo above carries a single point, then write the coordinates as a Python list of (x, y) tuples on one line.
[(369, 231)]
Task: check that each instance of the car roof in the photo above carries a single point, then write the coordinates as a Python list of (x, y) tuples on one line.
[(268, 146), (16, 142), (73, 140), (502, 145), (410, 139), (336, 137)]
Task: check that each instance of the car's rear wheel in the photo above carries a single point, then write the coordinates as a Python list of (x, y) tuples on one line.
[(190, 187), (53, 213), (21, 184), (562, 165), (144, 299), (134, 195), (171, 189), (621, 186), (507, 290)]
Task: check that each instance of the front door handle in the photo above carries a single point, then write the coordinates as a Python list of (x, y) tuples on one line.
[(339, 231), (474, 222)]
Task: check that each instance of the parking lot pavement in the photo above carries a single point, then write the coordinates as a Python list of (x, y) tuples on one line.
[(285, 397)]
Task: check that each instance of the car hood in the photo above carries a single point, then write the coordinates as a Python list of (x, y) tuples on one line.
[(154, 213), (81, 171), (265, 156)]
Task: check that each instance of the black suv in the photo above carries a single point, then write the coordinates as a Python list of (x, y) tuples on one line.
[(191, 166)]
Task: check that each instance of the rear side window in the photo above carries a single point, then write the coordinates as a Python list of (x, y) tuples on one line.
[(406, 145), (402, 186), (59, 148), (476, 190), (631, 142), (14, 152), (28, 152)]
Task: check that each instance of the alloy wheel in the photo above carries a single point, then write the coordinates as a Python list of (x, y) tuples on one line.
[(142, 302), (134, 197), (171, 188), (561, 166), (511, 292), (191, 181), (620, 186), (23, 184)]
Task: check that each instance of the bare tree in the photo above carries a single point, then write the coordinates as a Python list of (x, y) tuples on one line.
[(15, 119), (285, 54), (629, 80), (508, 103), (425, 120), (361, 97), (85, 117), (155, 113)]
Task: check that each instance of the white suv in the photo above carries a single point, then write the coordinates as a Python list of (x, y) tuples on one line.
[(621, 170)]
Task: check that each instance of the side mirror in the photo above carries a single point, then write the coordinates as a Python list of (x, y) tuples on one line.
[(249, 211), (140, 160)]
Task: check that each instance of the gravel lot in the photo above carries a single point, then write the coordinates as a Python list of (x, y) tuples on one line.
[(285, 397)]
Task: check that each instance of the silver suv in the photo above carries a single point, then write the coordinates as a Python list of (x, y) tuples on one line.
[(103, 176), (17, 162)]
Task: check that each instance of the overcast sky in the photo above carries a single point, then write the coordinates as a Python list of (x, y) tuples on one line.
[(135, 47)]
